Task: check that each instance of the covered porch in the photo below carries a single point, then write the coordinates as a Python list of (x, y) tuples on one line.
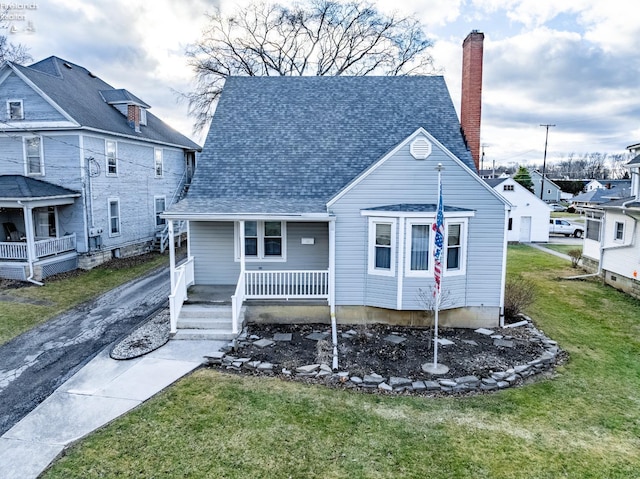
[(31, 245), (266, 257)]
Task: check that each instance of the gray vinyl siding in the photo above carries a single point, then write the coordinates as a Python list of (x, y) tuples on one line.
[(135, 186), (12, 155), (212, 246), (402, 179), (34, 107)]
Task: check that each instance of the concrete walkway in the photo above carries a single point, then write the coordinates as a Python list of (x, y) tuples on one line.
[(96, 395), (541, 247)]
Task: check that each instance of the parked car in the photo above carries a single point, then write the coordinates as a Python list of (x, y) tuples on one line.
[(557, 207), (565, 227)]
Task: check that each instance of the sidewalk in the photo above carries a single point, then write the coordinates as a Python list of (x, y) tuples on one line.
[(97, 394), (550, 251)]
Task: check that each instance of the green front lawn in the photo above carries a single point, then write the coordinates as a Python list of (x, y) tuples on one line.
[(562, 248), (583, 423), (62, 294)]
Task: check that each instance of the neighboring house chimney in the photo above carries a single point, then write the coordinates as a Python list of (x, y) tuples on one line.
[(471, 98), (133, 117)]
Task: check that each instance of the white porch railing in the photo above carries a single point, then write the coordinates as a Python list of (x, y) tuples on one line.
[(286, 284), (47, 247), (53, 246), (183, 278), (236, 303), (13, 251)]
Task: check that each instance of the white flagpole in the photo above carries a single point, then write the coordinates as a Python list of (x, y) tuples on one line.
[(436, 368)]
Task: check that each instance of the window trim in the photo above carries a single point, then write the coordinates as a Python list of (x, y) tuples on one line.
[(261, 257), (618, 231), (107, 158), (462, 261), (157, 213), (15, 100), (408, 272), (371, 268), (26, 157), (109, 217), (588, 229), (158, 152)]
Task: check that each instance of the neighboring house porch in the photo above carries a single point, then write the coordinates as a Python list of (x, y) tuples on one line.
[(34, 244)]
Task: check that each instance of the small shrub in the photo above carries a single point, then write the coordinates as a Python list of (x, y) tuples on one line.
[(518, 294), (571, 209), (575, 255)]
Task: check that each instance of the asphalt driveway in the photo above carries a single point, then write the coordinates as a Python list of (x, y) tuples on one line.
[(36, 363)]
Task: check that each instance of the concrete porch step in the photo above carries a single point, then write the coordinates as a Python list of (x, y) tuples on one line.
[(204, 323), (216, 334), (206, 311)]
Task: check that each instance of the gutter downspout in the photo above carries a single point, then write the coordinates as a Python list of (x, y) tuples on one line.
[(332, 291), (505, 243), (28, 222)]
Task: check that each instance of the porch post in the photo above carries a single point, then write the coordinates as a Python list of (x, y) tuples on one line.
[(31, 238), (242, 252), (172, 255), (332, 290)]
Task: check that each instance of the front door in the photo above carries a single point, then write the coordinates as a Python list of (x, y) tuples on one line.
[(525, 229), (44, 221)]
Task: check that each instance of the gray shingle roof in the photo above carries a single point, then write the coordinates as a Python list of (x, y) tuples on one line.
[(303, 139), (77, 92), (493, 182), (635, 161), (17, 187)]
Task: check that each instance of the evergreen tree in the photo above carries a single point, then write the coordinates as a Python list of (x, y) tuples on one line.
[(523, 177)]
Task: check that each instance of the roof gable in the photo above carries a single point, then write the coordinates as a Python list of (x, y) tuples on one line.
[(80, 95), (309, 137)]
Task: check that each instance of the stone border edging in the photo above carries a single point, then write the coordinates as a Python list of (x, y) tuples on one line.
[(375, 382)]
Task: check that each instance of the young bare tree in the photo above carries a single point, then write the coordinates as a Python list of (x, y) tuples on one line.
[(16, 53), (12, 52), (319, 37)]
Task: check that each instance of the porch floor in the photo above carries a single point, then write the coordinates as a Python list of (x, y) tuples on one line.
[(221, 294)]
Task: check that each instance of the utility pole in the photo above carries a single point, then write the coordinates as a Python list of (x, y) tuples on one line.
[(544, 160), (482, 158)]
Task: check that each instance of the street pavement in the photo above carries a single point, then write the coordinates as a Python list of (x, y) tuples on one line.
[(36, 363), (98, 393)]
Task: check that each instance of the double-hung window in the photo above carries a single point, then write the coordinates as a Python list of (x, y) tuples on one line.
[(382, 246), (619, 231), (419, 248), (263, 240), (110, 153), (159, 206), (33, 155), (454, 247), (157, 165), (114, 217), (15, 110)]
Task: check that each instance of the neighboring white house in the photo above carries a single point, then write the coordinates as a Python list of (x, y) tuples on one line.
[(611, 243), (529, 215)]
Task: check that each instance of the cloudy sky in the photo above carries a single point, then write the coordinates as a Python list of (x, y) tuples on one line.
[(571, 63)]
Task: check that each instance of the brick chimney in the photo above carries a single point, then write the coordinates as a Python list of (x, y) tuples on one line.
[(133, 116), (471, 98)]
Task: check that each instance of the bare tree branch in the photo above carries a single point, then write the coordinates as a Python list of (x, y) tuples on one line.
[(319, 37)]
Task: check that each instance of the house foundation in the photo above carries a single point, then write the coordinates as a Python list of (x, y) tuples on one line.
[(290, 313)]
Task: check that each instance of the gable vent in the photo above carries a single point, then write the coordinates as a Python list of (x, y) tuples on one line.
[(420, 148)]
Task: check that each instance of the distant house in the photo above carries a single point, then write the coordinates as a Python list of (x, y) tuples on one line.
[(529, 215), (552, 192), (598, 196), (612, 237), (607, 184), (85, 171)]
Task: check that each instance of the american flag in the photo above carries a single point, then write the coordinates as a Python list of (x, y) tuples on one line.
[(438, 227)]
